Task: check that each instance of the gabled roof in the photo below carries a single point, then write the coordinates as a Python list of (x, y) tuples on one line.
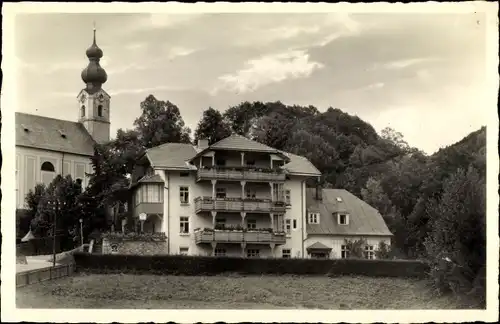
[(301, 165), (171, 156), (151, 179), (53, 134), (241, 143), (363, 218), (318, 246), (236, 142), (177, 156)]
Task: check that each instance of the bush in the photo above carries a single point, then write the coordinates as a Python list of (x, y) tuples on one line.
[(202, 265)]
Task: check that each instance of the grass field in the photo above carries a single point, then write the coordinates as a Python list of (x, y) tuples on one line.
[(231, 291)]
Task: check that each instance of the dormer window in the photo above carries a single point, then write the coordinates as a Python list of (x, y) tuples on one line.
[(343, 219), (339, 199), (313, 218)]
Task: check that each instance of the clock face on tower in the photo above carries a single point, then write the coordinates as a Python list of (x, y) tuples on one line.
[(82, 98), (100, 97)]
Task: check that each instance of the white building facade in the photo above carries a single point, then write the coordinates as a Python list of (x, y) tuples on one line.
[(234, 198)]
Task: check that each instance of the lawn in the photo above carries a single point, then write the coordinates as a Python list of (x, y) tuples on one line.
[(231, 291)]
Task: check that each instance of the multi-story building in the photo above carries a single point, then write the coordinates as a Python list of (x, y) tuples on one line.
[(239, 197), (236, 197)]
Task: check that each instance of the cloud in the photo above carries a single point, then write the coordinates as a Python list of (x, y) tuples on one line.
[(402, 64), (144, 90), (161, 21), (373, 86), (135, 46), (268, 69), (178, 51)]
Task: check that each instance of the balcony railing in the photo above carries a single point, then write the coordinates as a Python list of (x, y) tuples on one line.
[(229, 236), (207, 204), (241, 173)]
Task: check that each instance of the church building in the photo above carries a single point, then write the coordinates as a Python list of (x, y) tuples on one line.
[(46, 147)]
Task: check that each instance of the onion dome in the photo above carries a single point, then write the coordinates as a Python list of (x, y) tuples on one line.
[(94, 75)]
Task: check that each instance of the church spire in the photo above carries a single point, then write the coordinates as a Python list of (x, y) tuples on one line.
[(94, 75)]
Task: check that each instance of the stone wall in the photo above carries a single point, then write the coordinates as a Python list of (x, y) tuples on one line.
[(111, 246)]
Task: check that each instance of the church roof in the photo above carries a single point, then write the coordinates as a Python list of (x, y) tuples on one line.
[(53, 134)]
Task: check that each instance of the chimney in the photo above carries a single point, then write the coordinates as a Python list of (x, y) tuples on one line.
[(319, 192), (202, 144)]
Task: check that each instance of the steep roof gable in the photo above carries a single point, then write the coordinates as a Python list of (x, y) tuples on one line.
[(241, 143), (363, 218), (53, 134)]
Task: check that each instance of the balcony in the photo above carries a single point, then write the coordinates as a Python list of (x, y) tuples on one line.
[(207, 204), (240, 174), (230, 236)]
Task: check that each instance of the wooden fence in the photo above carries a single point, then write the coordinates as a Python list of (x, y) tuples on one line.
[(39, 275)]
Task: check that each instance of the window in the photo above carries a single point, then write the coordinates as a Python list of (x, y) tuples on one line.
[(220, 193), (220, 162), (152, 193), (286, 253), (343, 219), (294, 224), (48, 167), (82, 111), (114, 248), (279, 222), (369, 252), (251, 163), (278, 192), (288, 226), (99, 110), (313, 218), (251, 193), (251, 223), (183, 251), (220, 252), (220, 222), (48, 173), (184, 225), (344, 252), (80, 182), (253, 253), (288, 200), (184, 174), (184, 195), (137, 196)]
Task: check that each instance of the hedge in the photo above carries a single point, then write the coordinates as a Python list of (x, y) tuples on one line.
[(202, 265)]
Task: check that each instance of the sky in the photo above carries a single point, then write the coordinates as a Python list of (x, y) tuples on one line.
[(421, 74)]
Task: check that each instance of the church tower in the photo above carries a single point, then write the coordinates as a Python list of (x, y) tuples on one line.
[(93, 101)]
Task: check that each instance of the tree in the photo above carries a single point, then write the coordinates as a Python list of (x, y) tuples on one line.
[(161, 122), (458, 232), (273, 130), (61, 199), (243, 117), (374, 195), (212, 127), (33, 198)]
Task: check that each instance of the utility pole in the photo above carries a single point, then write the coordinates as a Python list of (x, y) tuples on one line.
[(54, 233)]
